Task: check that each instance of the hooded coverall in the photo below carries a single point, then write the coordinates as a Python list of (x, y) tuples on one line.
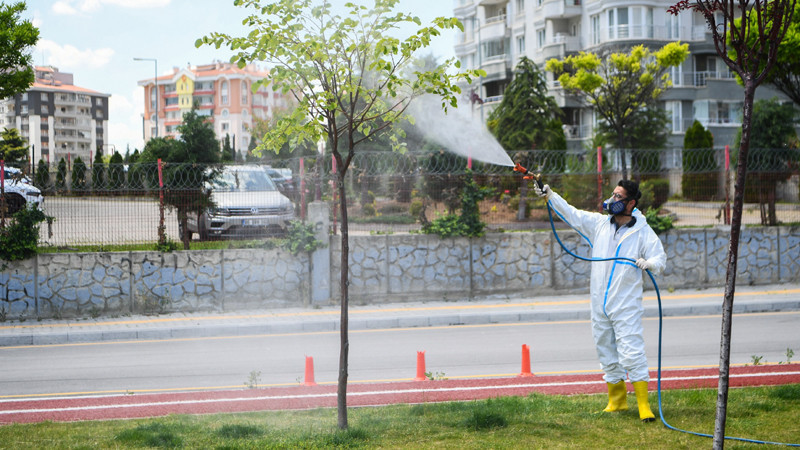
[(616, 286)]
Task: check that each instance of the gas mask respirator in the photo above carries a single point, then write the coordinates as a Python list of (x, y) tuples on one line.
[(614, 206)]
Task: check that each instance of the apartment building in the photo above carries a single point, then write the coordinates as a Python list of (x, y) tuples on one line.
[(497, 33), (223, 93), (57, 118)]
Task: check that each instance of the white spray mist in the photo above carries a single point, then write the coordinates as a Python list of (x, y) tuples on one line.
[(459, 131)]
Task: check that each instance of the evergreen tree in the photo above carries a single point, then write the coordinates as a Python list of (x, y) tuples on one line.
[(42, 175), (78, 175), (699, 181), (116, 173), (13, 149), (523, 119), (527, 119), (227, 151), (98, 171), (61, 175)]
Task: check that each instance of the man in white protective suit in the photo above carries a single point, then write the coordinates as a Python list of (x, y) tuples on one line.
[(616, 286)]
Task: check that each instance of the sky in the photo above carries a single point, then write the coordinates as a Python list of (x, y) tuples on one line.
[(96, 41)]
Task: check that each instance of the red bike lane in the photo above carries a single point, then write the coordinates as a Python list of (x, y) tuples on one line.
[(67, 409)]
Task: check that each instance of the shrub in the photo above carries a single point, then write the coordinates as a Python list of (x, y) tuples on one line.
[(415, 208), (20, 239), (660, 189)]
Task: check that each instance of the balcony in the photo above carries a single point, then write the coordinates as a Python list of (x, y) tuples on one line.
[(464, 8), (577, 132), (701, 79), (561, 9), (564, 98), (496, 67), (494, 28), (560, 46), (72, 99)]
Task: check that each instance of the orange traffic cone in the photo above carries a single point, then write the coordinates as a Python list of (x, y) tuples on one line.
[(526, 362), (309, 372), (421, 367)]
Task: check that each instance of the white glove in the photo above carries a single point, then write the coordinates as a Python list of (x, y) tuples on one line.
[(643, 264), (543, 192)]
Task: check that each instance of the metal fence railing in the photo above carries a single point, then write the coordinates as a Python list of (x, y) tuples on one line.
[(393, 193)]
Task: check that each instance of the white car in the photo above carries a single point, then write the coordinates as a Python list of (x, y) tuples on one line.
[(19, 190), (246, 202)]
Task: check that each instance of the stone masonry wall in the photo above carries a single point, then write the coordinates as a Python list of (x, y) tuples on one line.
[(383, 268)]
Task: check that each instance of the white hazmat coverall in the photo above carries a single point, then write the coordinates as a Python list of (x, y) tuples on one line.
[(616, 286)]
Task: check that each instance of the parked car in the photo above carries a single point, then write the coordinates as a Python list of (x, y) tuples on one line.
[(285, 185), (19, 190), (246, 202)]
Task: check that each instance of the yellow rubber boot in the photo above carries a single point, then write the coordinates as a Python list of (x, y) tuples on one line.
[(617, 397), (640, 387)]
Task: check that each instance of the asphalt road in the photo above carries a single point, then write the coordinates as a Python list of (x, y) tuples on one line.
[(376, 355)]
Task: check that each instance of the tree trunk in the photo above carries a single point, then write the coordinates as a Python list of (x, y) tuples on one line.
[(183, 216), (773, 215), (344, 349), (523, 200), (730, 276)]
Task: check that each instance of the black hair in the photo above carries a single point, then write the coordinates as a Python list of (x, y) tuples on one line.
[(632, 188)]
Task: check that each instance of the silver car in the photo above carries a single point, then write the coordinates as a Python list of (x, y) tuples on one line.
[(19, 191), (246, 202)]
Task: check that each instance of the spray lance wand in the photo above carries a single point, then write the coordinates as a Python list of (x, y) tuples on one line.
[(528, 175)]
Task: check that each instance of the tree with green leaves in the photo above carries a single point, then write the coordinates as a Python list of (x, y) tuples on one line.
[(520, 121), (78, 176), (187, 164), (619, 85), (42, 179), (116, 172), (61, 175), (17, 38), (750, 53), (345, 74), (774, 154), (98, 171), (785, 72), (528, 119), (699, 178), (13, 149)]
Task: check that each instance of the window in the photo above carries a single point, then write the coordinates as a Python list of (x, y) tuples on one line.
[(224, 113), (43, 96), (24, 96), (495, 48), (521, 44), (223, 93), (153, 99), (45, 110), (519, 6), (244, 92), (625, 22), (225, 126), (595, 29), (717, 112), (540, 38), (98, 101), (676, 75), (673, 27), (675, 114)]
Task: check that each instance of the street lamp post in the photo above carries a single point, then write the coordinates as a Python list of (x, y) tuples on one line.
[(155, 86)]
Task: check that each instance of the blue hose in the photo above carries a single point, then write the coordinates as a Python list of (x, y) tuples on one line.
[(660, 328)]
